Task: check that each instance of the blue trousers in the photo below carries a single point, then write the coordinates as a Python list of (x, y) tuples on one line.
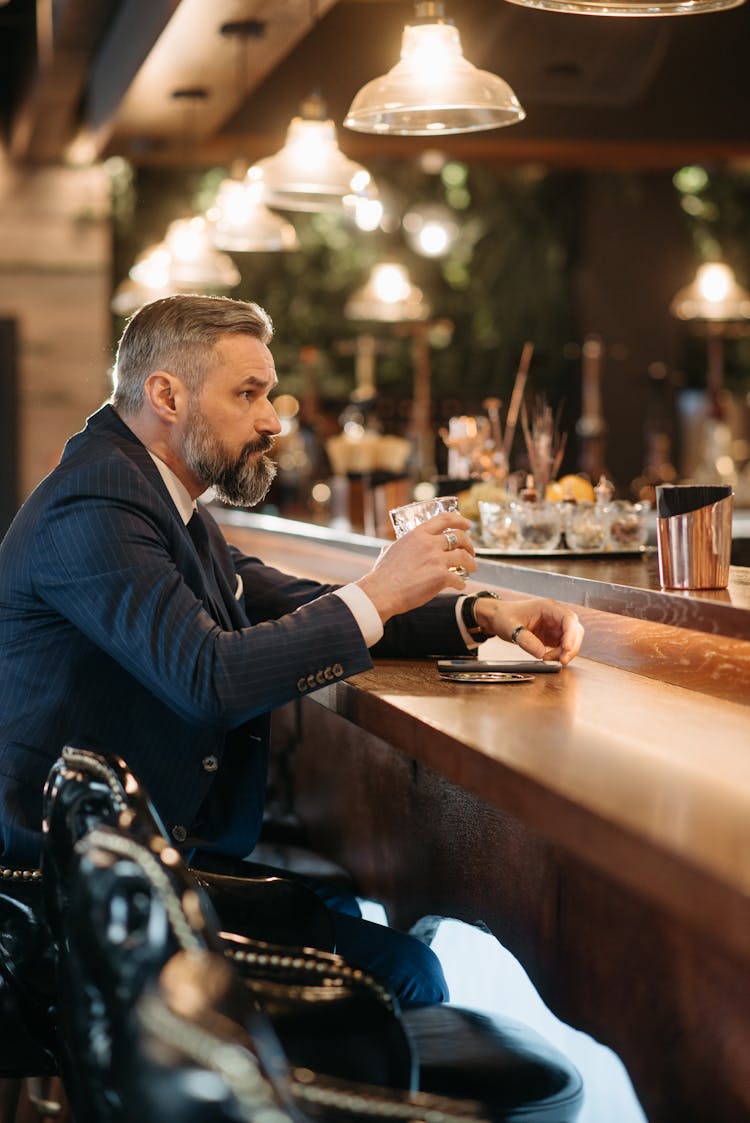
[(402, 962), (410, 968)]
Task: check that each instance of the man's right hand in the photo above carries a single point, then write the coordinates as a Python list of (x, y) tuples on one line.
[(419, 565)]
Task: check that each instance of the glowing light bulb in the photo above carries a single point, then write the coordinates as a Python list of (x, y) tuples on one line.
[(152, 270), (187, 239), (431, 230), (368, 213), (388, 296), (390, 283), (433, 239), (714, 281), (430, 49)]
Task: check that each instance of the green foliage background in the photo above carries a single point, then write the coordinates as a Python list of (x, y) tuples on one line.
[(507, 278)]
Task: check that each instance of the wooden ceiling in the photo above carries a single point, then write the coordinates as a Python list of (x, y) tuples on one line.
[(102, 75)]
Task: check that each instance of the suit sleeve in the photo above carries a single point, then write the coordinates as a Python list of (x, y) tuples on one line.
[(106, 563), (429, 630)]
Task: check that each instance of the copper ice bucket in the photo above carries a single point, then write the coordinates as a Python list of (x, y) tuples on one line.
[(695, 546)]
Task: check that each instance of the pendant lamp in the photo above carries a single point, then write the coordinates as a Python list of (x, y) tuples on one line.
[(131, 295), (311, 173), (631, 7), (241, 223), (195, 263), (713, 296), (185, 261), (433, 90), (388, 296), (716, 305)]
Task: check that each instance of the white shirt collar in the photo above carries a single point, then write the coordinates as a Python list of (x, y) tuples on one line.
[(179, 493)]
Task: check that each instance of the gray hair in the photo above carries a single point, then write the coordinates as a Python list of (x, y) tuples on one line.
[(179, 334)]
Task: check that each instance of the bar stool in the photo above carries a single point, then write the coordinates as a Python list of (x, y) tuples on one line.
[(28, 1054), (511, 1070), (86, 789)]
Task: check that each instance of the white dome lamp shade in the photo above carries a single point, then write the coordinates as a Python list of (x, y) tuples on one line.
[(388, 296), (433, 90), (311, 173), (241, 223)]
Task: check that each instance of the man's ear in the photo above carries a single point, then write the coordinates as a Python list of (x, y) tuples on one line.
[(165, 394)]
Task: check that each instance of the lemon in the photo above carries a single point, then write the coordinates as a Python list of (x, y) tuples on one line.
[(570, 487)]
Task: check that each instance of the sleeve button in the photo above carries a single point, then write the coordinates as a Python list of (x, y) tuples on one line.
[(338, 670), (179, 834)]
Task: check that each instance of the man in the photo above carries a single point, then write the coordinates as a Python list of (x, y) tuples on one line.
[(128, 626)]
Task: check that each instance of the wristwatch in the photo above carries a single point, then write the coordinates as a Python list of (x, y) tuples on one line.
[(469, 616)]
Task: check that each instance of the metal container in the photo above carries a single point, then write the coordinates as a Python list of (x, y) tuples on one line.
[(695, 547)]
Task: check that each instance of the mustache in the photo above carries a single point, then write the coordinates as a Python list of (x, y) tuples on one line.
[(260, 444)]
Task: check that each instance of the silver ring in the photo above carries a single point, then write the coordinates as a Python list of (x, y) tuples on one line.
[(515, 633), (450, 539)]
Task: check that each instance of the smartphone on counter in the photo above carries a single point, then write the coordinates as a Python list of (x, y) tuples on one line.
[(498, 666)]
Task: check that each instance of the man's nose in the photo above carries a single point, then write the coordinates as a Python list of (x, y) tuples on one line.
[(268, 421)]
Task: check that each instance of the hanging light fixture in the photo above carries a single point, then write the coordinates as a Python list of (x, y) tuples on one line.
[(240, 222), (311, 173), (716, 305), (185, 261), (388, 296), (433, 89), (148, 279), (631, 7), (713, 296), (238, 219), (194, 262)]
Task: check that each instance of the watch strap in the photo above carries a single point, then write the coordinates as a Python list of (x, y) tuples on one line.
[(469, 616)]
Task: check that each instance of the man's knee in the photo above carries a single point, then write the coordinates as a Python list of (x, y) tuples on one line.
[(425, 984), (410, 968)]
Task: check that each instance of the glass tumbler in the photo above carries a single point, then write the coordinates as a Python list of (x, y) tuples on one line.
[(499, 523), (628, 525), (587, 526), (539, 526), (410, 515)]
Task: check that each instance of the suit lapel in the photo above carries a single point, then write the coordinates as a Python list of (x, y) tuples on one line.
[(218, 595)]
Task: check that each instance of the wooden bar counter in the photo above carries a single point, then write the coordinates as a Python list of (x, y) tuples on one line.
[(598, 821)]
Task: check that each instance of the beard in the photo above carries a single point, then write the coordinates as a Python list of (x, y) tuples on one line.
[(239, 480)]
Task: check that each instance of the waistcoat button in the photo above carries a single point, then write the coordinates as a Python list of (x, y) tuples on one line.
[(210, 763), (179, 834)]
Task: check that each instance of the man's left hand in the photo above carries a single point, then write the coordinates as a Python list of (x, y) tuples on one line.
[(544, 628)]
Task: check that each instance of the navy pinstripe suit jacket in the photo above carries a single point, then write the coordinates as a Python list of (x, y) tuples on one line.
[(107, 642)]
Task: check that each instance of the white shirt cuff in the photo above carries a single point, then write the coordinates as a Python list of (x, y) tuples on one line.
[(363, 611), (470, 643)]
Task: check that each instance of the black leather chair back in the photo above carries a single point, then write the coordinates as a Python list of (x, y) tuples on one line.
[(86, 789), (212, 1035), (26, 977)]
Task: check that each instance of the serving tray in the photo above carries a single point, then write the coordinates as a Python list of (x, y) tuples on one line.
[(496, 552)]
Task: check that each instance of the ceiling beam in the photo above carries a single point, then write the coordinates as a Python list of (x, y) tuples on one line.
[(47, 119), (192, 53)]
